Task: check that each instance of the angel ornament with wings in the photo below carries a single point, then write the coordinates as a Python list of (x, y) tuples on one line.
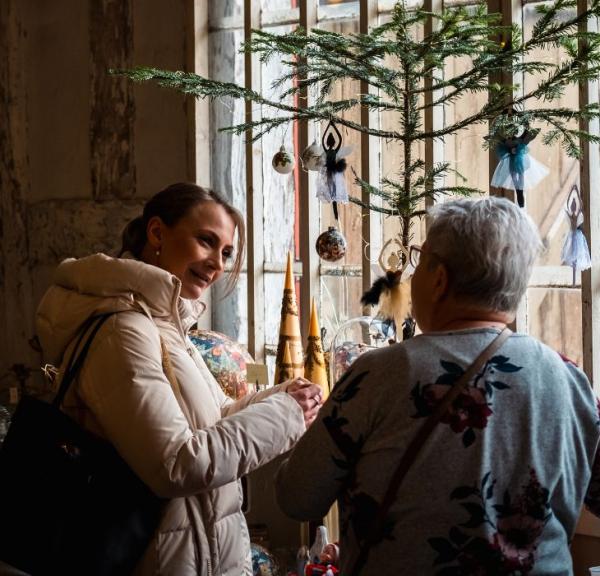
[(331, 186)]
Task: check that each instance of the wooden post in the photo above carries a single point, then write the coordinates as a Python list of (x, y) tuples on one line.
[(309, 208), (254, 200), (369, 164), (590, 181)]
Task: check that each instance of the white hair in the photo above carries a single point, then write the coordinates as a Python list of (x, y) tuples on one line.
[(488, 246)]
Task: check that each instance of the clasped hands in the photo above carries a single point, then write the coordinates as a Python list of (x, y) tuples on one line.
[(309, 397)]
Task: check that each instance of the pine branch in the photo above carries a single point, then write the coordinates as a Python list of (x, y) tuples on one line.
[(393, 61)]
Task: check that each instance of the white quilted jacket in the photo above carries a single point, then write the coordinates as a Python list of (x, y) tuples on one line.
[(123, 395)]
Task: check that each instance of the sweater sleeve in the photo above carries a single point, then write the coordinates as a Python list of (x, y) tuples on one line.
[(315, 474), (124, 386)]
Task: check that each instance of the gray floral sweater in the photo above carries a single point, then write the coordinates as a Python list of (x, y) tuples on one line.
[(498, 487)]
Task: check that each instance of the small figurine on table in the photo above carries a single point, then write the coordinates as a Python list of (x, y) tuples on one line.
[(328, 562)]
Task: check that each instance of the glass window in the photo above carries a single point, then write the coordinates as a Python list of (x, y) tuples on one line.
[(553, 307)]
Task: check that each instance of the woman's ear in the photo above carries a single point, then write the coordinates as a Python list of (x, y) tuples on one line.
[(154, 232), (440, 283)]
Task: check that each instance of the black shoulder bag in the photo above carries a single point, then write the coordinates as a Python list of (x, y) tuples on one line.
[(69, 504)]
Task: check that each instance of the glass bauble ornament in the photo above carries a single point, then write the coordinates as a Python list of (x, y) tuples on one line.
[(226, 360), (263, 562), (331, 245), (313, 157), (283, 161), (355, 337)]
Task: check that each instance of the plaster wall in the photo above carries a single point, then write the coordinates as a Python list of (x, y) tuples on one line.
[(79, 150)]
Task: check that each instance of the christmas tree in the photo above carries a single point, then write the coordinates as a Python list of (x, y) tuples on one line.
[(405, 74)]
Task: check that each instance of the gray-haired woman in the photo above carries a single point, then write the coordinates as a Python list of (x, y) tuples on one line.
[(499, 484)]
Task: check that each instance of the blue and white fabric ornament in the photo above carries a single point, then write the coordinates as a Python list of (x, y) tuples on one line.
[(575, 250), (517, 169)]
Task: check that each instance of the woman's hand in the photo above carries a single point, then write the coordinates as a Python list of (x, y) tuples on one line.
[(309, 397)]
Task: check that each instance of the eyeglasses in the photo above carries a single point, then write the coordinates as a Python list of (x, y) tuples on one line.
[(414, 255)]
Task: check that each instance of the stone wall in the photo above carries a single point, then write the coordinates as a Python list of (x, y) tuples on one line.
[(80, 150)]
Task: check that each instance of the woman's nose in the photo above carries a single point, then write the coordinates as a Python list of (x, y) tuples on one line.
[(218, 261)]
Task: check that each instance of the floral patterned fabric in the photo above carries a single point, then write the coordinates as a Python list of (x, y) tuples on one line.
[(498, 487)]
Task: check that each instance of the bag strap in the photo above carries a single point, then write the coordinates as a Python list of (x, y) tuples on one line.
[(413, 449), (76, 360)]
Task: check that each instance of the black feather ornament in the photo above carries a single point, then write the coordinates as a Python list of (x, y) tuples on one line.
[(392, 296)]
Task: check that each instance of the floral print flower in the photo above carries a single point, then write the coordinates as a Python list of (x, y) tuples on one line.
[(517, 526), (471, 409)]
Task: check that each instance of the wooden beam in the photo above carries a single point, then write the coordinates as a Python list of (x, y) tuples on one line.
[(434, 115), (369, 163), (309, 208), (112, 110), (16, 310), (589, 183), (254, 200), (198, 111), (511, 11)]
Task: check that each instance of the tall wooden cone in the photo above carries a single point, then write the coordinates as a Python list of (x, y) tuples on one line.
[(314, 362), (289, 329)]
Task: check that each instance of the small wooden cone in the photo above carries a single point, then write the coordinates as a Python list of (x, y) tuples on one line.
[(289, 329), (314, 363)]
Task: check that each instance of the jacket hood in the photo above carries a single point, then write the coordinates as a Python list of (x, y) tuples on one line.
[(98, 284)]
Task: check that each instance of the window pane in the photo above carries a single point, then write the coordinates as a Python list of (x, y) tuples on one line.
[(546, 202), (225, 9), (267, 5), (278, 189), (464, 149), (230, 315), (554, 316), (340, 302), (349, 214), (391, 162), (228, 176), (273, 297)]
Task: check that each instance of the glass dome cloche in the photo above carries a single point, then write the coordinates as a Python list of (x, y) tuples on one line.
[(355, 337)]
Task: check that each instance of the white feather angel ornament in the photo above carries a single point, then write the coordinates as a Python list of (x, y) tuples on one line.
[(391, 292), (331, 186), (575, 250)]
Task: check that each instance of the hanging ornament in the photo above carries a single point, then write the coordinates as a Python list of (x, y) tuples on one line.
[(332, 183), (283, 161), (313, 157), (331, 245), (575, 250), (517, 170), (391, 292)]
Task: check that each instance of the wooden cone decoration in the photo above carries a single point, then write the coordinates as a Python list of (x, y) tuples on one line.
[(289, 329), (286, 370), (314, 363)]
